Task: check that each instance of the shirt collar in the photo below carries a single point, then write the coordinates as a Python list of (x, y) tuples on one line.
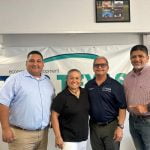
[(66, 91), (141, 72), (108, 80), (27, 74)]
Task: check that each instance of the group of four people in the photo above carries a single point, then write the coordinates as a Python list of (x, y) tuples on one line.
[(26, 97)]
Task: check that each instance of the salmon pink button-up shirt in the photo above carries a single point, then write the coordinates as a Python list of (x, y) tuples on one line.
[(137, 88)]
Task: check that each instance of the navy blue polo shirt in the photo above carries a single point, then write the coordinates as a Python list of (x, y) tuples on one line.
[(105, 99)]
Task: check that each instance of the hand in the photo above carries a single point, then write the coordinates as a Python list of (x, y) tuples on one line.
[(59, 142), (118, 134), (139, 109), (8, 135)]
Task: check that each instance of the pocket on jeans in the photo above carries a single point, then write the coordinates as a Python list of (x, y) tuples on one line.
[(147, 121)]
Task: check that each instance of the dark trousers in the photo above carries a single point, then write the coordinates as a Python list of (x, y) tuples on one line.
[(101, 136)]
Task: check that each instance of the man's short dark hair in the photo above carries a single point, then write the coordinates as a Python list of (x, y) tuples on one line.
[(142, 48), (35, 52)]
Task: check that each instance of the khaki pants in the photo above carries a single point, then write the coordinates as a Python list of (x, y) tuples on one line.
[(29, 140)]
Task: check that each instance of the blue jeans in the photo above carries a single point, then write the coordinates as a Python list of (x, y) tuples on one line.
[(140, 132)]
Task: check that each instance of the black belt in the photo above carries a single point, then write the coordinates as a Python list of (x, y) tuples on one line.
[(16, 127), (140, 116), (102, 123)]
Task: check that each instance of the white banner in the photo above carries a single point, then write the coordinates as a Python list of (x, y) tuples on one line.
[(58, 60)]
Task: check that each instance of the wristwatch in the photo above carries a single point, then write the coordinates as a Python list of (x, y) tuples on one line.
[(120, 125)]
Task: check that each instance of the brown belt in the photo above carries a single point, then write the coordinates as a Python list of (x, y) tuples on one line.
[(16, 127), (141, 116)]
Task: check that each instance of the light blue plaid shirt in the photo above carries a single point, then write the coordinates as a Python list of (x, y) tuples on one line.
[(29, 100)]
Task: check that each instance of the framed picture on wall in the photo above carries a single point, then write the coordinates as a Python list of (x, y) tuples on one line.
[(112, 11)]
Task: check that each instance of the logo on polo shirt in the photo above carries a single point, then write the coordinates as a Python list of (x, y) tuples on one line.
[(106, 89), (91, 89)]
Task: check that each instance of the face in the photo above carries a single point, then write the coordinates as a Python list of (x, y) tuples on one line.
[(34, 65), (100, 67), (138, 59), (74, 80)]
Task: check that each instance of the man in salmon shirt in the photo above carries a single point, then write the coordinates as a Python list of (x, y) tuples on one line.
[(137, 90)]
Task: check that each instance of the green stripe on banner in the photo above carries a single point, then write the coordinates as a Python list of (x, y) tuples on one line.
[(72, 55)]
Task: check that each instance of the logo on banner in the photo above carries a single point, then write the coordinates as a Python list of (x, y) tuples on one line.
[(62, 77)]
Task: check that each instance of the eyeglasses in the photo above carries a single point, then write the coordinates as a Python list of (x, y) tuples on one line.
[(100, 65)]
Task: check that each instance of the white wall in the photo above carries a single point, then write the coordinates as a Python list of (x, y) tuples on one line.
[(66, 16), (79, 39)]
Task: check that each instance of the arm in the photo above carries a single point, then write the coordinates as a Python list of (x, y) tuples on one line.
[(56, 129), (139, 109), (7, 133), (119, 130)]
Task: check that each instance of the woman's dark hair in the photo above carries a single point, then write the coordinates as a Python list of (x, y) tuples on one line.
[(72, 70), (142, 48)]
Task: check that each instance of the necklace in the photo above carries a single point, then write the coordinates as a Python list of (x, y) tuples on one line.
[(75, 92)]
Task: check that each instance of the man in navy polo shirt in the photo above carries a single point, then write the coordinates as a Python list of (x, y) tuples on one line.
[(107, 108)]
